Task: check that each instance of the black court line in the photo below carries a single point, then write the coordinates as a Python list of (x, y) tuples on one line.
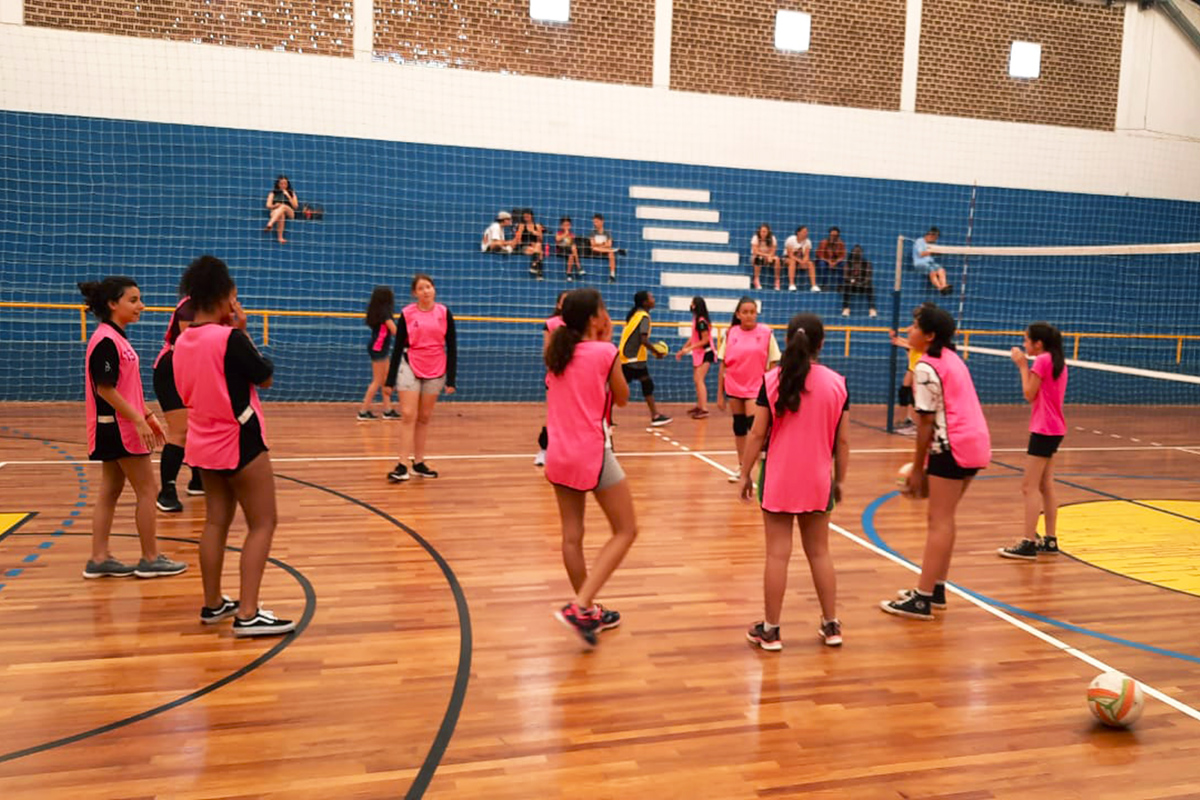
[(459, 693), (13, 529), (310, 605)]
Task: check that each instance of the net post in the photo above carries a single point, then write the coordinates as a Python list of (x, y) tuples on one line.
[(891, 406)]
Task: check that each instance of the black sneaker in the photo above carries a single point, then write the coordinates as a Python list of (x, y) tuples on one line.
[(398, 474), (195, 485), (391, 413), (227, 608), (609, 619), (366, 416), (423, 471), (1023, 550), (767, 641), (168, 500), (263, 623), (660, 420), (830, 632), (584, 623), (914, 606), (939, 595), (1048, 546), (612, 278)]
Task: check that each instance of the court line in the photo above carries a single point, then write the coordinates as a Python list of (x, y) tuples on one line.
[(1002, 612)]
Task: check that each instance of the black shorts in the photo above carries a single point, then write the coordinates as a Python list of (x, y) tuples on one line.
[(709, 358), (379, 355), (943, 465), (109, 445), (1043, 445), (635, 371), (164, 384), (250, 446)]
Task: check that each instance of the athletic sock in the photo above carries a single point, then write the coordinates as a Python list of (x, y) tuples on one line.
[(172, 460)]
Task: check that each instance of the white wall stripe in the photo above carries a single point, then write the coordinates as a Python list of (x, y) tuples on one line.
[(667, 193), (713, 257), (678, 214), (716, 305), (694, 235), (702, 280)]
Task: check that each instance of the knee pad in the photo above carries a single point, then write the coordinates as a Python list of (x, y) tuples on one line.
[(741, 424), (905, 395), (647, 387)]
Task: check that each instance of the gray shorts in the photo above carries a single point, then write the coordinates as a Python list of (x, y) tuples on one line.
[(406, 381), (610, 472), (926, 269)]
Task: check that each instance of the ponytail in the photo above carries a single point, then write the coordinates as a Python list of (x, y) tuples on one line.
[(562, 348), (98, 294), (578, 308), (1051, 340), (805, 335)]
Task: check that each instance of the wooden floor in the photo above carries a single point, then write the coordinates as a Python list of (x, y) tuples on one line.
[(398, 686)]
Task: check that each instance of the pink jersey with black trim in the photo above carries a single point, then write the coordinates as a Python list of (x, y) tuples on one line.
[(426, 340), (798, 469), (746, 360), (129, 386), (699, 352), (214, 432), (1046, 415), (577, 407), (966, 427), (172, 332)]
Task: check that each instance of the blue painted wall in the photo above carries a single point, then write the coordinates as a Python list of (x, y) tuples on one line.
[(82, 198)]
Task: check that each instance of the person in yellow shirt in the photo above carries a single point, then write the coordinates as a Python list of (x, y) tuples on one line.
[(633, 349)]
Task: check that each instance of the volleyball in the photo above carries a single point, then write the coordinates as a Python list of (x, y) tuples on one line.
[(660, 349), (1115, 699), (903, 473)]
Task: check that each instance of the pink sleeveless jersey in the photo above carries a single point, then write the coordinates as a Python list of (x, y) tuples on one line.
[(172, 332), (798, 470), (577, 407), (214, 432), (129, 386), (426, 340), (966, 427), (698, 352), (1046, 415), (746, 360)]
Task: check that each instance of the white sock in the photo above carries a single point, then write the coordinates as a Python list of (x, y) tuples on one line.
[(769, 628)]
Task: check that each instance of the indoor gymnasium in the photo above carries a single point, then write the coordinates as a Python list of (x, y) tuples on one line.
[(600, 399)]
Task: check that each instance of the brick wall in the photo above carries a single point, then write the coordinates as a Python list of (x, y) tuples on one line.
[(300, 26), (964, 61), (609, 41), (728, 47)]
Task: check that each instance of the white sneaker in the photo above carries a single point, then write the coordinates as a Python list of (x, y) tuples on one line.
[(845, 312), (815, 288), (791, 287), (872, 314), (736, 476), (540, 459)]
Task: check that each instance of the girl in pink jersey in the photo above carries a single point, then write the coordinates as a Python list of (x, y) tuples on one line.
[(584, 380), (553, 323), (1044, 386), (700, 345), (804, 417), (953, 444), (424, 362), (748, 351), (173, 409), (121, 430), (380, 312), (217, 370)]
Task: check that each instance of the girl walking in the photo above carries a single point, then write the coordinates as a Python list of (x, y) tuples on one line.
[(748, 351), (553, 323), (381, 309), (700, 345)]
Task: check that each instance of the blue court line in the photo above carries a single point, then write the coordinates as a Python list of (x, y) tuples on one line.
[(868, 522)]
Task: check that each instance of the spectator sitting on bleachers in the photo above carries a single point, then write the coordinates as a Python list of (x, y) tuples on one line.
[(282, 203), (798, 249), (858, 280), (763, 247), (832, 251), (924, 263), (602, 245), (564, 245), (529, 235), (493, 238)]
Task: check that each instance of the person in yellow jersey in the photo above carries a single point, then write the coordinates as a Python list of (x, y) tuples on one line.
[(633, 349)]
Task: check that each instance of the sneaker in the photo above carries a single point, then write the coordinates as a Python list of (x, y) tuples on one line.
[(767, 641), (621, 251), (791, 287), (1048, 546), (815, 288), (366, 416), (398, 474), (161, 567), (263, 623), (168, 500), (830, 632), (580, 272), (757, 285), (947, 289), (108, 568), (540, 459), (845, 312), (612, 278), (660, 420), (227, 608), (195, 485), (777, 287), (391, 413), (584, 623), (735, 476), (609, 619), (872, 314), (939, 595), (701, 414), (423, 471), (912, 605), (570, 278), (1023, 550)]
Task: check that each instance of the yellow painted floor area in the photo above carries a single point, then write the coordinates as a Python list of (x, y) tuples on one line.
[(9, 521), (1139, 542)]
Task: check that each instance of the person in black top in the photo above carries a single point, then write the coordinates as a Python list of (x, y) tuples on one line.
[(282, 203), (702, 341), (529, 235), (857, 281), (173, 410)]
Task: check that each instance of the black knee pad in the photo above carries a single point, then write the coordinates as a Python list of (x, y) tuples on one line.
[(647, 387), (905, 395), (741, 424)]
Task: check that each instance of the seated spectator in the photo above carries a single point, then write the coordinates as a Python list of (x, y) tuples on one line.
[(602, 245), (282, 203), (763, 247), (857, 280), (493, 238), (529, 238), (832, 252), (564, 245), (924, 263), (798, 249)]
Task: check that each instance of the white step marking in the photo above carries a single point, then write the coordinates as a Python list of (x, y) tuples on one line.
[(692, 235), (704, 280), (667, 193), (678, 214)]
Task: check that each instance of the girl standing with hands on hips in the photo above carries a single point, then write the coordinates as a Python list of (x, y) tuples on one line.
[(380, 312), (121, 430), (584, 380), (748, 351), (1044, 386), (804, 416), (424, 361)]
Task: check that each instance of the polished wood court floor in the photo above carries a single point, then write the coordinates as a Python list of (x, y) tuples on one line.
[(429, 663)]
